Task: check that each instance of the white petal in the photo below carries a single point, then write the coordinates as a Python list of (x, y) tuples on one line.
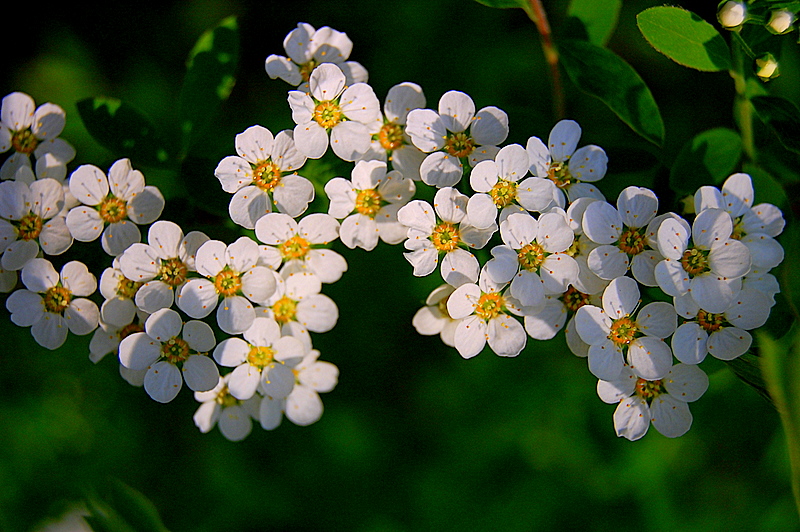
[(650, 358), (303, 406), (632, 418), (470, 336), (163, 382), (670, 416)]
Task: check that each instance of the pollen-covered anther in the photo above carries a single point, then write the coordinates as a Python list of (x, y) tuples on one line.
[(391, 136), (127, 288), (30, 227), (327, 114), (574, 299), (57, 299), (24, 141), (623, 331), (503, 193), (531, 256), (489, 306), (459, 144), (260, 356), (228, 282), (266, 175), (695, 261), (113, 210), (559, 174), (294, 248), (368, 202), (175, 350), (173, 272), (445, 237), (284, 310), (649, 390), (632, 241), (710, 322)]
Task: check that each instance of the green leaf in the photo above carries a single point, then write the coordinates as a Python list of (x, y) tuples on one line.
[(748, 368), (118, 507), (782, 117), (685, 38), (768, 189), (606, 76), (598, 18), (707, 159), (210, 77), (124, 130), (505, 3)]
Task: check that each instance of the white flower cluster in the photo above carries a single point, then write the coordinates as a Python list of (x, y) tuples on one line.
[(562, 256)]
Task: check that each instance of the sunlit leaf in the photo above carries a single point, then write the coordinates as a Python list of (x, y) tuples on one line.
[(782, 117), (707, 159), (605, 75), (598, 18), (685, 38), (124, 130)]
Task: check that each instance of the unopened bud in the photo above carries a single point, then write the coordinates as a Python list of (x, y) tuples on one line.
[(767, 67), (732, 14), (780, 21)]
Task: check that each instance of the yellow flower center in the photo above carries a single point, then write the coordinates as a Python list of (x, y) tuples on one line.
[(710, 322), (391, 136), (489, 306), (175, 350), (695, 261), (306, 69), (559, 174), (574, 299), (649, 390), (738, 228), (327, 114), (113, 210), (24, 141), (225, 399), (632, 241), (459, 144), (127, 288), (57, 299), (266, 175), (503, 193), (368, 202), (623, 331), (284, 310), (228, 282), (294, 248), (445, 237), (260, 356), (531, 256), (30, 226), (173, 272)]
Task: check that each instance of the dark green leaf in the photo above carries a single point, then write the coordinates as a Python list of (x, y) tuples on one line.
[(116, 507), (605, 75), (782, 117), (124, 130), (768, 189), (504, 3), (707, 159), (685, 38), (599, 18), (748, 368), (210, 77)]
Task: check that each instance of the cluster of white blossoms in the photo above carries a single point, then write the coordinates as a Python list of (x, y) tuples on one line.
[(562, 256)]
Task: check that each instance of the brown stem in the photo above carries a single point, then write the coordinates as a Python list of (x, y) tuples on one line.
[(539, 17)]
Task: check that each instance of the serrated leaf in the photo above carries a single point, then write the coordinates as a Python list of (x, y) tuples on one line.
[(210, 77), (782, 117), (124, 130), (606, 76), (685, 38), (598, 18), (707, 159)]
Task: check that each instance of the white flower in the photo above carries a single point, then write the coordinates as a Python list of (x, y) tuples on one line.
[(391, 143), (483, 311), (219, 407), (304, 406), (54, 304), (106, 340), (27, 129), (434, 318), (555, 313), (233, 274), (732, 14), (263, 358), (533, 257), (454, 134), (351, 114), (29, 221), (300, 245), (110, 204), (660, 401), (263, 173), (118, 308), (299, 307), (780, 21), (710, 266), (162, 266), (443, 229), (621, 234), (723, 335), (611, 330), (569, 168), (368, 205), (308, 47), (171, 351)]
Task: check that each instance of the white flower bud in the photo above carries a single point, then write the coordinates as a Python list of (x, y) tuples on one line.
[(780, 21), (732, 14), (767, 67)]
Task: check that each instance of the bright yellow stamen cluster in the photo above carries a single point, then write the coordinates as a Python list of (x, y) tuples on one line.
[(391, 136), (57, 299), (503, 193), (710, 322), (489, 306), (30, 227), (127, 288), (260, 356), (574, 299), (284, 310), (459, 145), (695, 261), (445, 237), (531, 256), (113, 210), (24, 141), (228, 282), (623, 331), (649, 390), (225, 399), (327, 114), (173, 272), (175, 350), (559, 174), (368, 202), (266, 175), (294, 248)]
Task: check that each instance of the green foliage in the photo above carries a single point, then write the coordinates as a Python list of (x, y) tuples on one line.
[(599, 19), (504, 3), (782, 117), (606, 76), (685, 38), (120, 508), (119, 127), (707, 159)]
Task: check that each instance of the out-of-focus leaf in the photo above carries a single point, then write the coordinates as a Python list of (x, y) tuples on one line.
[(117, 507), (598, 18), (685, 38), (504, 3), (606, 76), (124, 130), (707, 159), (748, 368), (768, 189), (782, 117), (210, 77)]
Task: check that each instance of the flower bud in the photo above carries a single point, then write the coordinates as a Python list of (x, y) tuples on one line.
[(732, 14), (767, 67), (780, 21)]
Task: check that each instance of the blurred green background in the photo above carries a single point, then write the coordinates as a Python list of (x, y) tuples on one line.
[(413, 437)]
